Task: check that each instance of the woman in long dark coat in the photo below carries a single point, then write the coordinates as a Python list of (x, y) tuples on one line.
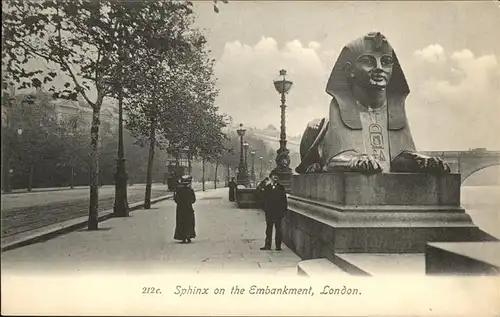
[(185, 198)]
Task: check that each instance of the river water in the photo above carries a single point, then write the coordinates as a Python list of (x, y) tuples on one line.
[(482, 203)]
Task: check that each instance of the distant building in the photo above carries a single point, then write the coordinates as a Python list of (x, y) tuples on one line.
[(271, 131), (67, 108)]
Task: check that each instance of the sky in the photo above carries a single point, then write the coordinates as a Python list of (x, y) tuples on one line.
[(449, 53)]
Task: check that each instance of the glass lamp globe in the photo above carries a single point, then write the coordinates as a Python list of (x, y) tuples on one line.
[(241, 130), (282, 84)]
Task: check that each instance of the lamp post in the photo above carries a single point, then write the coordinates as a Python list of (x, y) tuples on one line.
[(121, 203), (260, 173), (240, 176), (10, 171), (245, 166), (253, 168), (72, 164), (19, 140), (283, 86)]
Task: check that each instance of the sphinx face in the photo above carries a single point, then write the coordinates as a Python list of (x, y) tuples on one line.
[(373, 70)]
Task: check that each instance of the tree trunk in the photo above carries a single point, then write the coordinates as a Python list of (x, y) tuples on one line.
[(216, 176), (149, 177), (94, 166), (72, 185), (30, 177), (203, 174)]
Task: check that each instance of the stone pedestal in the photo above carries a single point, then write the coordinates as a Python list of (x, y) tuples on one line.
[(285, 179), (378, 213), (247, 198), (242, 179)]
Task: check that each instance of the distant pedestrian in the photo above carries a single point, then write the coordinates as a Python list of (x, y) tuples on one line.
[(275, 206), (185, 198), (232, 189)]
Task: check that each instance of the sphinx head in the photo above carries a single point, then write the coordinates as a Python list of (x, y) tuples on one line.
[(371, 63)]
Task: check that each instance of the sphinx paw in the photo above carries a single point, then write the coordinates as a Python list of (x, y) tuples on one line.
[(314, 168), (365, 163), (353, 163), (418, 163), (436, 165)]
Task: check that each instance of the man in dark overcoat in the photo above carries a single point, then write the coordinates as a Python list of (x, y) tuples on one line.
[(275, 207), (232, 189)]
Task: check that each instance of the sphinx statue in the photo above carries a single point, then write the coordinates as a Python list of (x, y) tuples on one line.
[(367, 129)]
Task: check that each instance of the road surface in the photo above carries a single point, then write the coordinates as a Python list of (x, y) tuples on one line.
[(22, 212)]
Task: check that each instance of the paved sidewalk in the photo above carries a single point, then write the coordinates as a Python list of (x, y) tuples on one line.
[(30, 213), (228, 241)]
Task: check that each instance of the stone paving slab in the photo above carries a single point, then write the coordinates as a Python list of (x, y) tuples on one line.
[(488, 252), (385, 264), (228, 240)]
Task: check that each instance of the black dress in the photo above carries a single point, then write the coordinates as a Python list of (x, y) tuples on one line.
[(184, 224)]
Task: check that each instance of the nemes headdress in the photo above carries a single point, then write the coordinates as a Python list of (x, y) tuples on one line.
[(339, 87)]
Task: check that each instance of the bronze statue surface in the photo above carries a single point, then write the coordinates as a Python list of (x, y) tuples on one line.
[(367, 129)]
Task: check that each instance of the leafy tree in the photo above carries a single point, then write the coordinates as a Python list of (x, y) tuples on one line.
[(89, 42), (31, 134), (159, 89)]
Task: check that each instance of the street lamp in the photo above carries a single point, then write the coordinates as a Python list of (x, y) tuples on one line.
[(120, 208), (10, 172), (253, 167), (121, 177), (240, 176), (72, 162), (283, 86), (260, 173), (245, 146)]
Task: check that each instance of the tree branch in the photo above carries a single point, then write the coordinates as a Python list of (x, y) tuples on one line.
[(79, 88)]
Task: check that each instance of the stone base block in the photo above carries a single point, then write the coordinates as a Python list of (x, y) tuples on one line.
[(382, 213), (355, 189), (285, 179), (247, 198), (319, 268)]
